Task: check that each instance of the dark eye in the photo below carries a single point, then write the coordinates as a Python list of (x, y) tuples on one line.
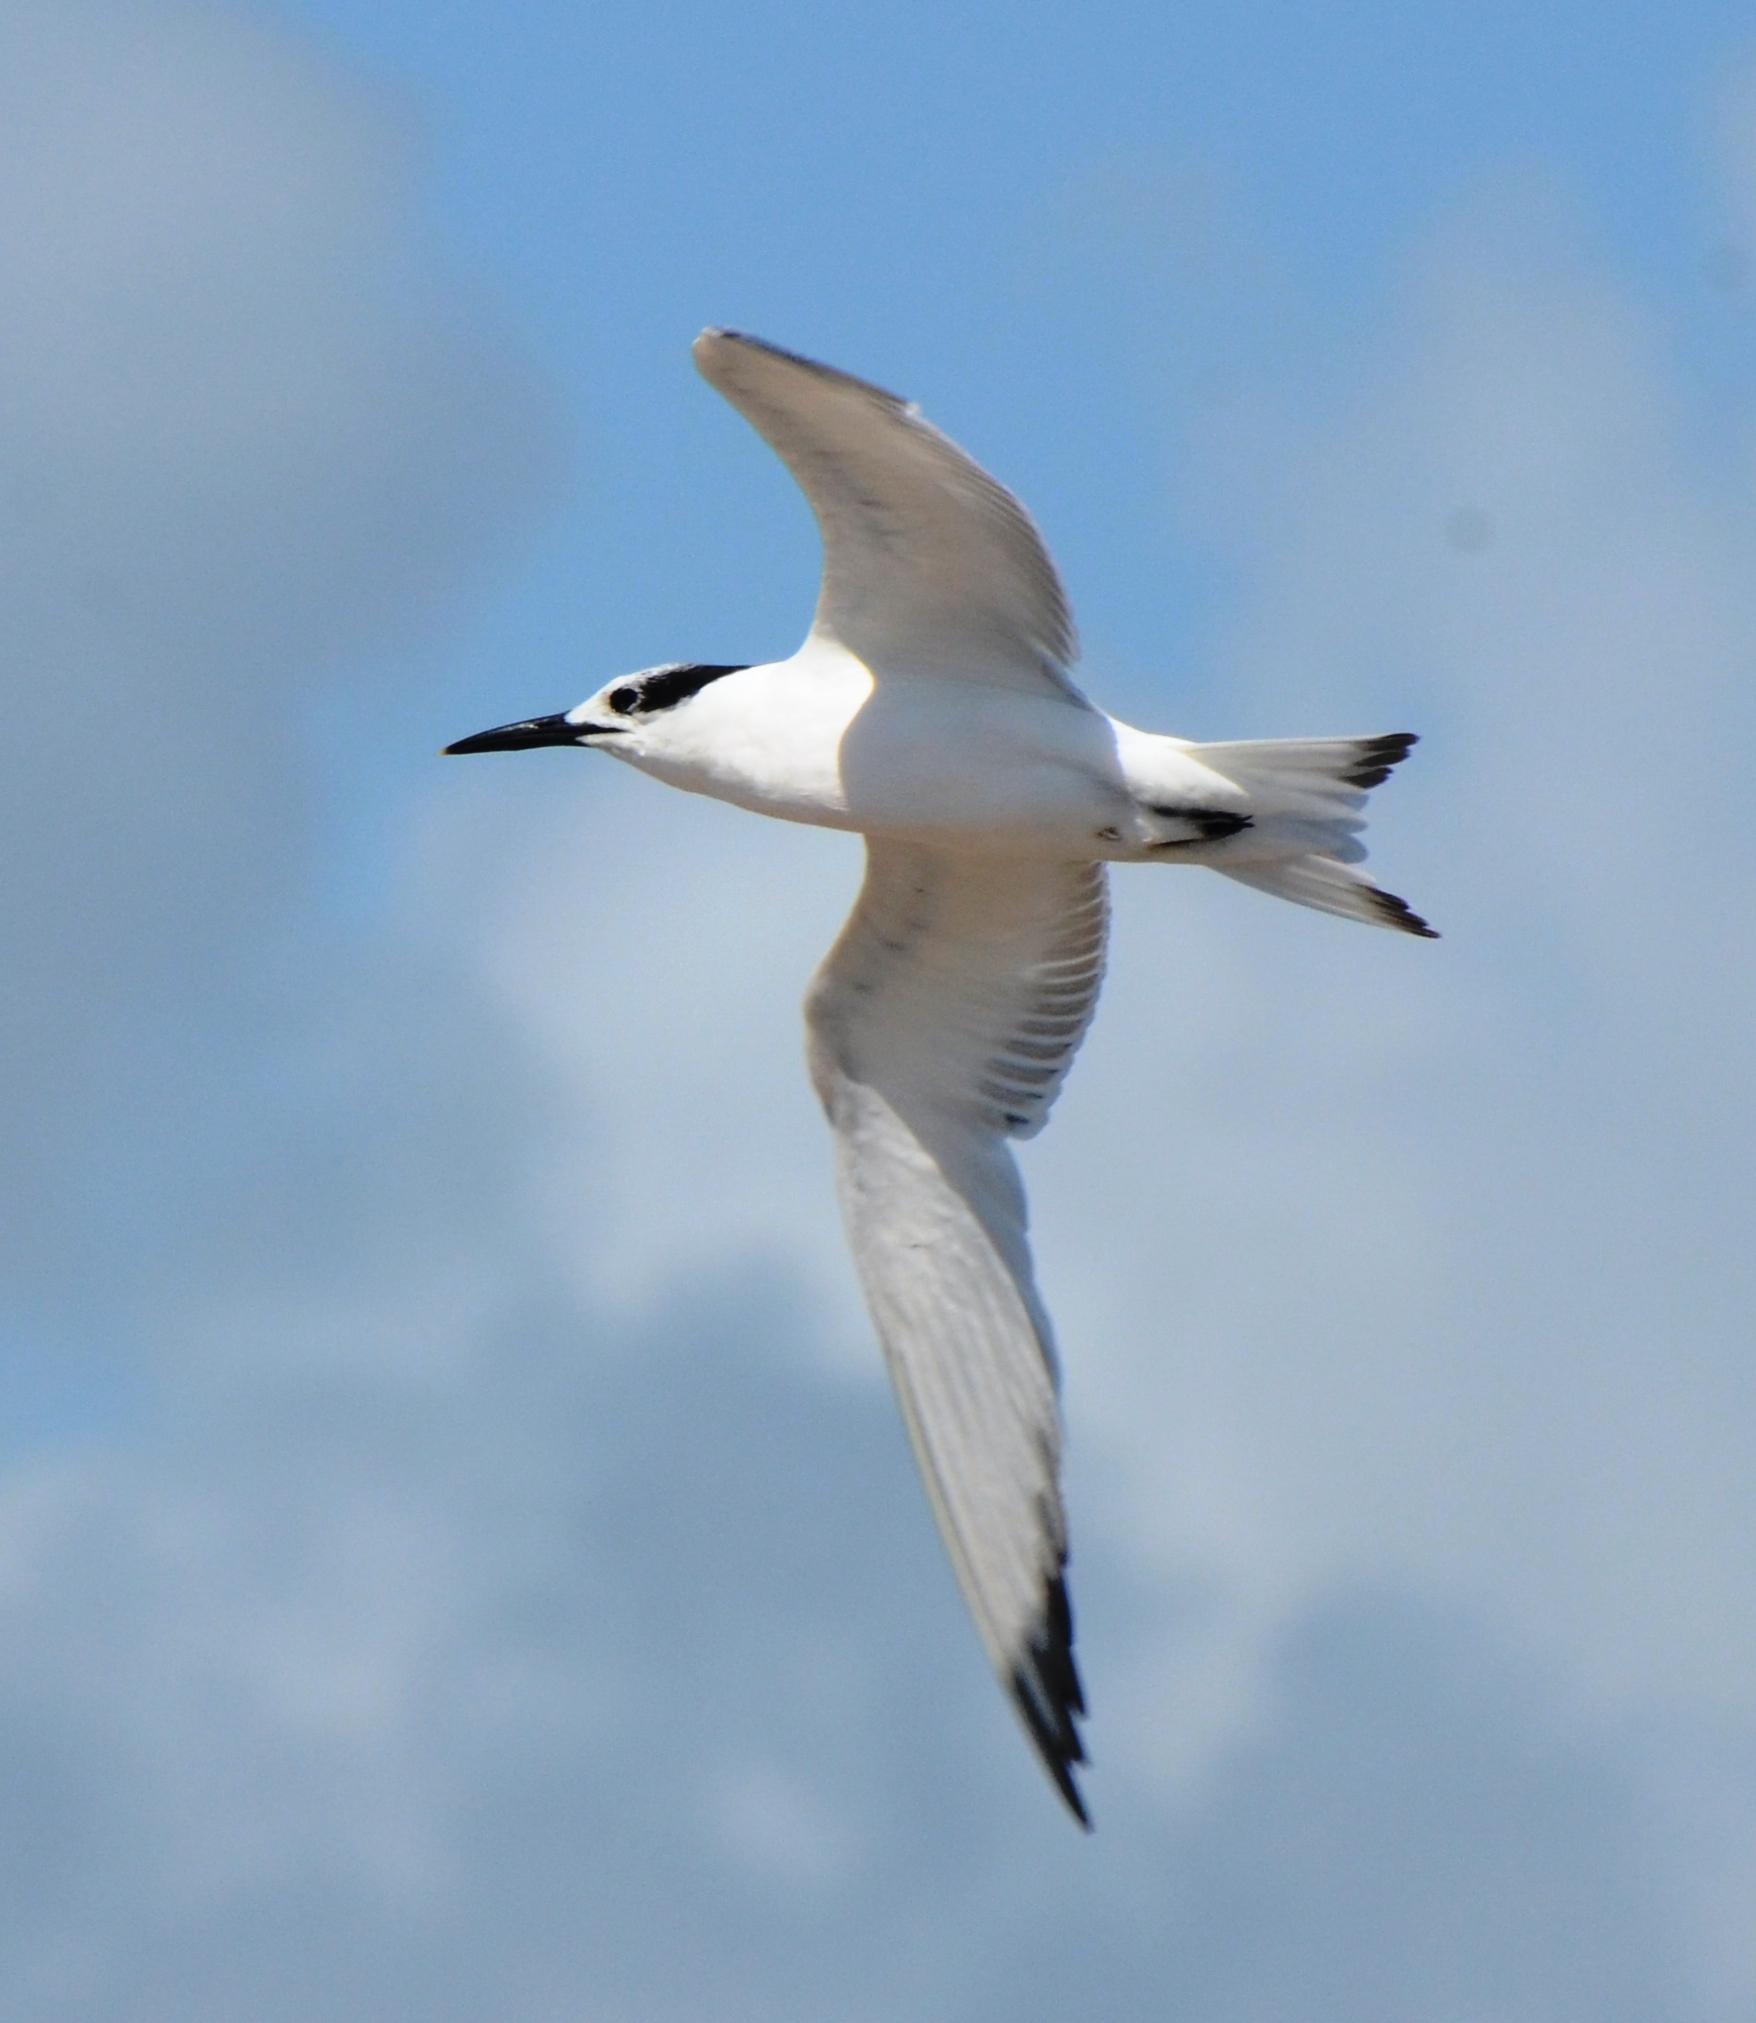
[(623, 699)]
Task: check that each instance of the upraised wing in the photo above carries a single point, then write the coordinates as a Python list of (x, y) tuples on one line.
[(929, 566), (943, 1021)]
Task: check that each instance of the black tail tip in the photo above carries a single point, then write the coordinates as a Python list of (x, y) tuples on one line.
[(1400, 914), (1377, 756)]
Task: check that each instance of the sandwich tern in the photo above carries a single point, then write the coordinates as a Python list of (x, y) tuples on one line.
[(932, 709)]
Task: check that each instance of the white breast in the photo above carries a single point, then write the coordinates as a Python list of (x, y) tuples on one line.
[(767, 738)]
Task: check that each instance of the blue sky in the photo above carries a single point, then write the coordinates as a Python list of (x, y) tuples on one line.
[(457, 1556)]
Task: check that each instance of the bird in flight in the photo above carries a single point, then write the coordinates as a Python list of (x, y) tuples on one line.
[(933, 710)]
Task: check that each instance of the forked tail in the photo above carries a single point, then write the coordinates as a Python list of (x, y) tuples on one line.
[(1307, 800)]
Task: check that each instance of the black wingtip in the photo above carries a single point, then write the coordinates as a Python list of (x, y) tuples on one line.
[(1049, 1698), (1051, 1738)]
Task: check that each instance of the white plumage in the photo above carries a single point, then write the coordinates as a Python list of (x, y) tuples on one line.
[(931, 708)]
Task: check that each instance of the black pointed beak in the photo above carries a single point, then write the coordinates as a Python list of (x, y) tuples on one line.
[(536, 730)]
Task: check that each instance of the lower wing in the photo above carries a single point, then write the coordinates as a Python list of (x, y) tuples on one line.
[(943, 1021)]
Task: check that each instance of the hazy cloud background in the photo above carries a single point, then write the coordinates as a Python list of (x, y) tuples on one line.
[(455, 1550)]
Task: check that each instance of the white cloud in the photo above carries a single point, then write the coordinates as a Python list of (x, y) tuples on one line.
[(1539, 1401), (247, 425), (655, 954)]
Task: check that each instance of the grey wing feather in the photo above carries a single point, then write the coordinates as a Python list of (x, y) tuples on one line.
[(928, 563)]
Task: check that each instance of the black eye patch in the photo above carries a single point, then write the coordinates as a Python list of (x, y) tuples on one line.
[(665, 687), (623, 699)]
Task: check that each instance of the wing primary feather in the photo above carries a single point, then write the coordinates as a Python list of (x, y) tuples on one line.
[(1048, 1695)]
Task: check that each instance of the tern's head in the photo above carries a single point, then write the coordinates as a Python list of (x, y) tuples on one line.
[(623, 708)]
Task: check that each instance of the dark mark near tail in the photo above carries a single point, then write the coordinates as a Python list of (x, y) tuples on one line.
[(1212, 825)]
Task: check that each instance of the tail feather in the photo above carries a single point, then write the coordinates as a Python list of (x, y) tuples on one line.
[(1307, 800), (1332, 887), (1376, 756)]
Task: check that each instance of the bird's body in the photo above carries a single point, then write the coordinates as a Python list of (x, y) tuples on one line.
[(817, 739), (931, 709)]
